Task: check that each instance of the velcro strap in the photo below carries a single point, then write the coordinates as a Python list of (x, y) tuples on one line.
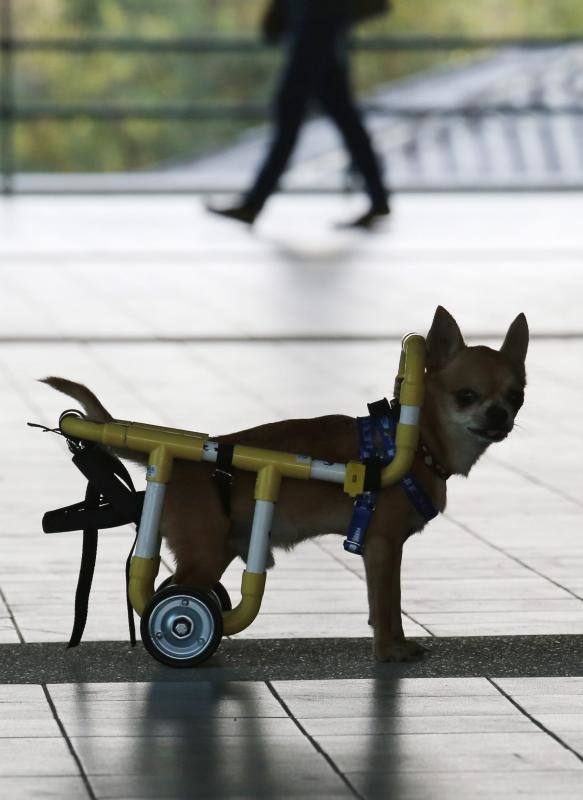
[(223, 475), (88, 556), (77, 516), (380, 408), (111, 478), (107, 480), (372, 475)]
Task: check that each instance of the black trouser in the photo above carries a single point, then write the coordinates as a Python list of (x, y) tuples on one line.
[(317, 68)]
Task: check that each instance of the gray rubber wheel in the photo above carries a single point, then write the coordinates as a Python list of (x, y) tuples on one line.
[(181, 627), (218, 593)]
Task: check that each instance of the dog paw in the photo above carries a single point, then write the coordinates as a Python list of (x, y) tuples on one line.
[(415, 649), (398, 651)]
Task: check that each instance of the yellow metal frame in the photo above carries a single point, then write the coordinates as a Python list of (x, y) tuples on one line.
[(163, 445)]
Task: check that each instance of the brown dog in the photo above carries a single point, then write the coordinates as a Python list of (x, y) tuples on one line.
[(472, 397)]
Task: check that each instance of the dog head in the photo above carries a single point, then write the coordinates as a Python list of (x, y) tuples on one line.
[(473, 393)]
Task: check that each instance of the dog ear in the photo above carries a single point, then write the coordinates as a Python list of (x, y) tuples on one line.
[(515, 343), (444, 339)]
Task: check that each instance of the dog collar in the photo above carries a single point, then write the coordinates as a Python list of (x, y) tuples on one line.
[(432, 463), (382, 408)]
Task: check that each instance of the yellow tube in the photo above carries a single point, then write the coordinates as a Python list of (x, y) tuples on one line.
[(410, 392), (268, 483), (406, 440), (143, 573), (135, 436), (252, 588), (288, 464), (412, 386)]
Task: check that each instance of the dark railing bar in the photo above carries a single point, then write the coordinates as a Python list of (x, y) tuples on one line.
[(248, 112), (6, 100), (243, 45), (55, 186)]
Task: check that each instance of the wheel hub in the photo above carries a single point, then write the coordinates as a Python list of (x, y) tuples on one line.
[(181, 626)]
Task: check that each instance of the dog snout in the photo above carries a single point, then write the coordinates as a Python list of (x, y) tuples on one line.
[(497, 416)]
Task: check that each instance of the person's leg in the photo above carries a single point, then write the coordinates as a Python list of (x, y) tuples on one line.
[(289, 109), (335, 96)]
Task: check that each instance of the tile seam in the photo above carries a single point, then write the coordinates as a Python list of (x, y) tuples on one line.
[(534, 720), (12, 617), (83, 775), (516, 560), (363, 580), (317, 747)]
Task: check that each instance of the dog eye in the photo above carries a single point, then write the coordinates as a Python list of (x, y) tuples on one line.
[(465, 397)]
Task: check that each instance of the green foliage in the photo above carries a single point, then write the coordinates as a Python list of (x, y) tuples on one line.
[(178, 79)]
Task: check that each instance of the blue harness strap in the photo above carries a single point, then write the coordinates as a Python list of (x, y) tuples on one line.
[(377, 446)]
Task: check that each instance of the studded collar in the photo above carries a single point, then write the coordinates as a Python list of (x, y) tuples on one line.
[(432, 463)]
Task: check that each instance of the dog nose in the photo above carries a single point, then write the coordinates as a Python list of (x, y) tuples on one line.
[(496, 415)]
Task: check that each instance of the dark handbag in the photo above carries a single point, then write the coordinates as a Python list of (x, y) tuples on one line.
[(362, 10), (274, 22)]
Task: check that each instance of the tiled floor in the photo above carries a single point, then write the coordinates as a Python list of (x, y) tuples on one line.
[(416, 738), (176, 318)]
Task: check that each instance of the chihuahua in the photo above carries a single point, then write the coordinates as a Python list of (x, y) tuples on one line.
[(472, 395)]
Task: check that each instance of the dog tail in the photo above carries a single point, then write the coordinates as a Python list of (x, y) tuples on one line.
[(93, 408)]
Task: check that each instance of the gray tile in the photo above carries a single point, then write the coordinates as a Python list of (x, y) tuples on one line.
[(450, 752), (534, 785), (8, 634), (396, 725), (162, 692), (217, 766), (530, 588), (541, 686), (307, 707), (560, 723), (189, 709), (317, 625), (28, 725), (113, 706), (317, 601), (35, 757), (573, 739), (23, 710), (426, 687), (551, 703), (21, 693), (177, 787), (181, 727), (45, 788), (504, 623)]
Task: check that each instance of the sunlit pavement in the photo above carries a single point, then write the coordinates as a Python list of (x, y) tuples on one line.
[(177, 318)]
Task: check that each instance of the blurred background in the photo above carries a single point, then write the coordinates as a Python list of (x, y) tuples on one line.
[(169, 95)]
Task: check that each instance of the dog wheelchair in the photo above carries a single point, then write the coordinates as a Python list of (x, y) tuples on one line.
[(180, 625)]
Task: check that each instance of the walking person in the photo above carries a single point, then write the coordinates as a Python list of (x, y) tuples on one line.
[(316, 68)]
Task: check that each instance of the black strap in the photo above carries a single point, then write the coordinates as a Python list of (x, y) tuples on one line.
[(223, 475), (380, 408), (130, 608), (372, 474), (106, 477), (76, 517), (88, 556)]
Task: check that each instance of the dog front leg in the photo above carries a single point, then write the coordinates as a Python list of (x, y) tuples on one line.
[(382, 558)]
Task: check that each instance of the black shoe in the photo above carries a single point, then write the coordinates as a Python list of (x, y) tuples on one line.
[(369, 219), (242, 213)]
